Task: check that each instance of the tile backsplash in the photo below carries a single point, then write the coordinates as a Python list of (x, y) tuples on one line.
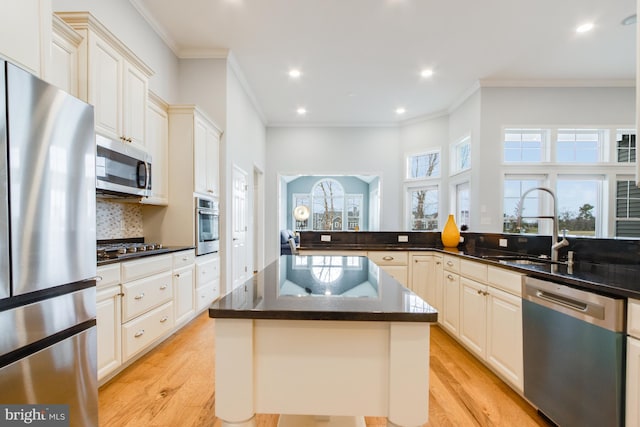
[(118, 220)]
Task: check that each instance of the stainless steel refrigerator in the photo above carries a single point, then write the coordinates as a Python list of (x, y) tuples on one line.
[(47, 247)]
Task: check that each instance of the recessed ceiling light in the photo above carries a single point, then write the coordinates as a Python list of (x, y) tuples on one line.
[(585, 27), (400, 110), (426, 73), (301, 111), (295, 73)]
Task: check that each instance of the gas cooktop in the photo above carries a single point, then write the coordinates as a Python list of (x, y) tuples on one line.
[(106, 250)]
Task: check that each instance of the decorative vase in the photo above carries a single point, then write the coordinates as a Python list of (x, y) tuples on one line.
[(450, 234)]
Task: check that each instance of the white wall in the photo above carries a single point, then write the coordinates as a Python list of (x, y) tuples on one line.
[(542, 107), (333, 151), (124, 21), (203, 82)]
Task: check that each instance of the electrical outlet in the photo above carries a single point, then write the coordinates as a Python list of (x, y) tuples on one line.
[(325, 237), (403, 239), (503, 243)]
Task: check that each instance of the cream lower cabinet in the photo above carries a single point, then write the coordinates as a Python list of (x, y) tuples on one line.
[(207, 280), (393, 262), (450, 314), (632, 416), (147, 302), (491, 318), (184, 286), (109, 319), (425, 277)]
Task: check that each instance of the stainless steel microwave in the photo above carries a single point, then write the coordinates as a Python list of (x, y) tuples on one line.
[(121, 170)]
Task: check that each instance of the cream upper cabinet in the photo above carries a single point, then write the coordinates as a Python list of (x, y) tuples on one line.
[(207, 143), (26, 34), (157, 142), (111, 78), (65, 42)]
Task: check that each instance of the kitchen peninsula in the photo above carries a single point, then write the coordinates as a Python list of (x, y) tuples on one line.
[(328, 336)]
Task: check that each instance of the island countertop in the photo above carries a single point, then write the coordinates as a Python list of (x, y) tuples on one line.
[(348, 288)]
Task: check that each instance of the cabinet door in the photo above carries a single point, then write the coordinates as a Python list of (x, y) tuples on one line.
[(105, 88), (134, 105), (633, 383), (200, 153), (22, 32), (473, 314), (183, 285), (451, 303), (63, 71), (504, 335), (420, 282), (108, 319), (157, 142), (212, 165)]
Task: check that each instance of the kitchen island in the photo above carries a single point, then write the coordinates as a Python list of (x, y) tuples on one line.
[(333, 337)]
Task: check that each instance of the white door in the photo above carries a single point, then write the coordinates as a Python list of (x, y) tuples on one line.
[(239, 227)]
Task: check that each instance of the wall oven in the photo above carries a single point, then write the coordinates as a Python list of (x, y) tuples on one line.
[(207, 226), (121, 170)]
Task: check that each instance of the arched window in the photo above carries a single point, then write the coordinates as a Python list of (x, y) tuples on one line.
[(328, 205)]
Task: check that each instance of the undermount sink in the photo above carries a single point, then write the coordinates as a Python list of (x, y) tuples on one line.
[(519, 260)]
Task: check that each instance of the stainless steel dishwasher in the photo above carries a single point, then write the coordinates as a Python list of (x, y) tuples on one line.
[(574, 354)]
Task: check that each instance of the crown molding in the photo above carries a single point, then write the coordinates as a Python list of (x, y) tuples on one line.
[(559, 83), (197, 53), (333, 125), (471, 90), (232, 62), (160, 30)]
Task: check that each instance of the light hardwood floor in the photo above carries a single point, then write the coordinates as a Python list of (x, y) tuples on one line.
[(173, 385)]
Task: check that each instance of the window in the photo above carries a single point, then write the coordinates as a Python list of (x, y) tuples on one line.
[(462, 204), (579, 145), (627, 209), (626, 145), (326, 269), (328, 205), (461, 156), (354, 213), (514, 188), (524, 145), (579, 204), (424, 208), (331, 208), (425, 165)]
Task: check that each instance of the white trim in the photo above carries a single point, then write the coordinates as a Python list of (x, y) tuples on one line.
[(468, 93), (558, 83), (235, 67), (156, 26)]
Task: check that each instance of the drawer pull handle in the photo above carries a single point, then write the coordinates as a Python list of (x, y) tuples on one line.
[(387, 258), (450, 277), (164, 319), (98, 278), (139, 296), (438, 263), (177, 274), (139, 333), (184, 258), (449, 263), (163, 287)]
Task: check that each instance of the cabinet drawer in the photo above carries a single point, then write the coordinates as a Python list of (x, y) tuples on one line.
[(474, 270), (144, 294), (184, 258), (109, 274), (633, 318), (451, 263), (506, 280), (205, 295), (139, 333), (389, 257), (132, 270), (207, 271)]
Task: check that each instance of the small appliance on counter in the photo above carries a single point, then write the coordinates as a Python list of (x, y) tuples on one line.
[(48, 352)]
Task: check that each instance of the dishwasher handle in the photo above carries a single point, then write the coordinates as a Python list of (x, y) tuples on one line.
[(606, 312)]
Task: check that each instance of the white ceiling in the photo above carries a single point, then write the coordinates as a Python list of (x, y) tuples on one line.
[(361, 59)]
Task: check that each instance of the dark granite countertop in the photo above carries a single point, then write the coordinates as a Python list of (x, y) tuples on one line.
[(349, 288), (610, 279), (136, 255)]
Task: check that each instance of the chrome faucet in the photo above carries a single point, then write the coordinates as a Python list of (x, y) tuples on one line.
[(555, 245)]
